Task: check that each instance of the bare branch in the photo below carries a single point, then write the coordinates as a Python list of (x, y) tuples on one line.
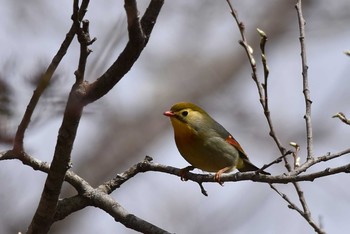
[(43, 217), (308, 102), (306, 91), (108, 204), (147, 165), (277, 160), (51, 209), (263, 94), (84, 40), (98, 197), (73, 179), (88, 196), (263, 40), (262, 88), (291, 205), (44, 82), (249, 51), (138, 38)]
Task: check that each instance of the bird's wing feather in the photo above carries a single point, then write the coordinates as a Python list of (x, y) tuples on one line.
[(248, 166), (232, 141), (224, 134)]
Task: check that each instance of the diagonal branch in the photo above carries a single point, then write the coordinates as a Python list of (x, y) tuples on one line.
[(44, 82), (249, 51), (73, 179), (43, 217), (139, 33), (98, 198), (291, 205), (108, 204)]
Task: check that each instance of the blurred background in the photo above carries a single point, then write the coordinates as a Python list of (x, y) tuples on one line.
[(193, 55)]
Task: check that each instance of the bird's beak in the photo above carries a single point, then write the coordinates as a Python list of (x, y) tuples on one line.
[(169, 113)]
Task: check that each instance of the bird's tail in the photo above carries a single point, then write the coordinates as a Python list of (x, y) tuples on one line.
[(248, 166)]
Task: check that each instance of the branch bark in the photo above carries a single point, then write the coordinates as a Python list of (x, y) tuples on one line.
[(46, 210)]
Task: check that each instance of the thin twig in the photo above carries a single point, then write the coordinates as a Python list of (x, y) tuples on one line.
[(277, 160), (308, 102), (249, 51), (291, 205), (272, 133), (342, 117), (84, 41), (262, 88), (306, 91)]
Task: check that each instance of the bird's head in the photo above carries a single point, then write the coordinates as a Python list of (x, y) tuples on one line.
[(188, 115)]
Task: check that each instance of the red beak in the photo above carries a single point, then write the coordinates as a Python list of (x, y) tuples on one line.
[(169, 113)]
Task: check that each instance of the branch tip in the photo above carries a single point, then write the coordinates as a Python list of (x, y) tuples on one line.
[(261, 33), (203, 191)]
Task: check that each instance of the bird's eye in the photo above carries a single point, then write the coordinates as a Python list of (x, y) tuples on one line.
[(184, 113)]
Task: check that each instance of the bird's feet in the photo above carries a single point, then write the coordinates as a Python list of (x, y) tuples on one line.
[(217, 176)]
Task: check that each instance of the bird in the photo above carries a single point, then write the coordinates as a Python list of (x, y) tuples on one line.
[(205, 144)]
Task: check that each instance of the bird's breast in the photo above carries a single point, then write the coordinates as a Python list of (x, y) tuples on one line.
[(202, 151)]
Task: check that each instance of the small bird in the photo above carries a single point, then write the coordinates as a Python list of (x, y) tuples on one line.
[(205, 144)]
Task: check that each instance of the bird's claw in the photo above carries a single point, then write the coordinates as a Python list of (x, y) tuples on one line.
[(217, 178)]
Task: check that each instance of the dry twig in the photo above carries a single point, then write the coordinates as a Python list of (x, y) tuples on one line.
[(306, 90)]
